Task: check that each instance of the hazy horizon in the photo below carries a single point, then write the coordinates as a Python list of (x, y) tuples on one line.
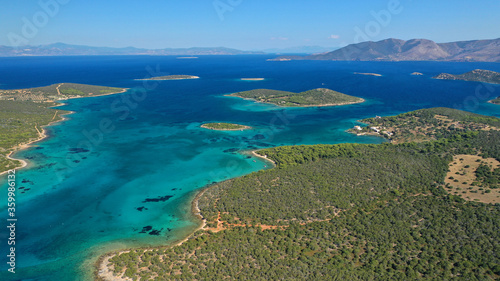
[(243, 25)]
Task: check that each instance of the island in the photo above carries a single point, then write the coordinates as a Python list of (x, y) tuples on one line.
[(477, 75), (417, 73), (316, 97), (346, 212), (495, 101), (24, 113), (172, 77), (225, 127), (368, 74)]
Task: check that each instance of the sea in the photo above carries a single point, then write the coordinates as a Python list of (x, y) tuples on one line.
[(122, 170)]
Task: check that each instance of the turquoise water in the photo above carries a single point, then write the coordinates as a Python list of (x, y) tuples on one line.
[(125, 167)]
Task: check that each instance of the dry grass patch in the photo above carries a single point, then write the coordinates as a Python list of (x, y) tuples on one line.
[(462, 175)]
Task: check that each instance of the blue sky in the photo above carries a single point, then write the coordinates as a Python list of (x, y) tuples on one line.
[(243, 24)]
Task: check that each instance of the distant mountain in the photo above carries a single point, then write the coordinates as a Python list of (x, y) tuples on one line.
[(412, 50), (61, 49), (478, 75), (300, 50)]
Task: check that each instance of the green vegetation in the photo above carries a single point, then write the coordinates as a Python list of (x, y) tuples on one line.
[(23, 113), (340, 212), (225, 126), (316, 97), (477, 75), (427, 124), (488, 177), (496, 101), (172, 77), (62, 91)]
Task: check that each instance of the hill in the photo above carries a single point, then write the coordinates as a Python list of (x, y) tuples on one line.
[(316, 97), (478, 75), (413, 50)]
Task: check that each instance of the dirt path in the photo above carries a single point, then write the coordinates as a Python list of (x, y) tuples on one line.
[(57, 88)]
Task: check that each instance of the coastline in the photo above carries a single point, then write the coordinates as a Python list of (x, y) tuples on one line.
[(102, 271), (43, 134), (254, 153)]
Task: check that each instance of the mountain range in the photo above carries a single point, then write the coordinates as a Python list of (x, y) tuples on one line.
[(411, 50), (384, 50), (61, 49)]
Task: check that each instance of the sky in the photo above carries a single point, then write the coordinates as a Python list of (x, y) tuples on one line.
[(243, 24)]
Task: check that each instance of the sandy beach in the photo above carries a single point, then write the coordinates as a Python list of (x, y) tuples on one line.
[(103, 270)]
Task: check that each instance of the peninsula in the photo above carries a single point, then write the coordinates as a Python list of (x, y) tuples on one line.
[(24, 113), (477, 75), (347, 212), (172, 77), (426, 124), (225, 127), (316, 97)]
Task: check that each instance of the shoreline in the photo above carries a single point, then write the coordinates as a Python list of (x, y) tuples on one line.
[(102, 271), (43, 134), (362, 100)]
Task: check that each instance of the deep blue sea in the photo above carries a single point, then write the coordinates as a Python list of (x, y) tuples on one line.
[(125, 167)]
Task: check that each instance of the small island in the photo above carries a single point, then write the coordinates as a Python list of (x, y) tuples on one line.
[(316, 97), (172, 77), (225, 127), (252, 79), (417, 73), (369, 74), (477, 75)]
